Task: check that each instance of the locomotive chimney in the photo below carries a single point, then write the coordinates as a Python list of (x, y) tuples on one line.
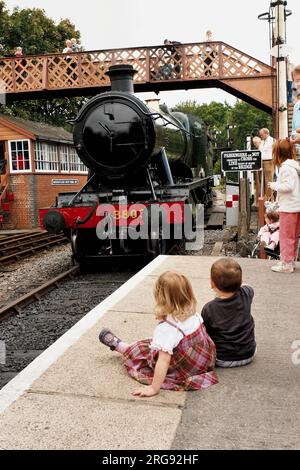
[(121, 77)]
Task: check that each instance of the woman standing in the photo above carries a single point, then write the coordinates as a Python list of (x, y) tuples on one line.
[(288, 190)]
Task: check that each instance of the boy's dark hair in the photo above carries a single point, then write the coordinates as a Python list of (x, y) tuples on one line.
[(226, 274)]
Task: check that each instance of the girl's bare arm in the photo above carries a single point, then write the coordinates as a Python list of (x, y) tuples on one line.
[(160, 373)]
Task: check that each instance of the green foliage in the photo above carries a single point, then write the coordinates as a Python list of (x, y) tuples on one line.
[(214, 114), (33, 31), (217, 167), (56, 112), (245, 117), (37, 34)]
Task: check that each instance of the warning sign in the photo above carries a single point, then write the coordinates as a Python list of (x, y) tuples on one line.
[(241, 160)]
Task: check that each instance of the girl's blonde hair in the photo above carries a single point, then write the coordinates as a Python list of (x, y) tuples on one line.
[(174, 296), (283, 150)]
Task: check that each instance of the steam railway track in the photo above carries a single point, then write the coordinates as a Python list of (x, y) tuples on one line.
[(18, 304), (33, 322), (14, 248)]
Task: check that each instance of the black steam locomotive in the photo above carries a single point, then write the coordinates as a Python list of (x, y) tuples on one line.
[(144, 164)]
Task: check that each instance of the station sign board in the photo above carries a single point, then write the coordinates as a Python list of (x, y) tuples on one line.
[(64, 182), (241, 160)]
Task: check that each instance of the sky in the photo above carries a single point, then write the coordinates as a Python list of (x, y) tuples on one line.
[(127, 23)]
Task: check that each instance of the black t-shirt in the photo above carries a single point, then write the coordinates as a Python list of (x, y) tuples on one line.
[(230, 325)]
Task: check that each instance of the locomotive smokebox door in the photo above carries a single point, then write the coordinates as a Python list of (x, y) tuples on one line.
[(114, 132)]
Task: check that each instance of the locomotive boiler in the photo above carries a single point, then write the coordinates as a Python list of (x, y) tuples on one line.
[(142, 160)]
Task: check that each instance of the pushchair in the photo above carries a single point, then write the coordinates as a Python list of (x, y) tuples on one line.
[(271, 254)]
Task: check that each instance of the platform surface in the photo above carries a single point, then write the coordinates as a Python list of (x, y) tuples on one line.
[(76, 395)]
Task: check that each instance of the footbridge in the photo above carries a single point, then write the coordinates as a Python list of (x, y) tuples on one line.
[(160, 68)]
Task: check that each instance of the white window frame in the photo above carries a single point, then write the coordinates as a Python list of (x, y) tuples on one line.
[(62, 149), (12, 171), (48, 149), (71, 163)]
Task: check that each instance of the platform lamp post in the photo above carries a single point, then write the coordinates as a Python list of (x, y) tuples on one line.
[(276, 16)]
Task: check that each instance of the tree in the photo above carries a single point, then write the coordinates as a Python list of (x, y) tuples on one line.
[(56, 112), (218, 116), (248, 120), (37, 34), (4, 19), (214, 114), (27, 28)]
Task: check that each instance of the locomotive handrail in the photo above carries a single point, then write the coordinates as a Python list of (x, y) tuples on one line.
[(169, 122), (71, 203), (88, 217)]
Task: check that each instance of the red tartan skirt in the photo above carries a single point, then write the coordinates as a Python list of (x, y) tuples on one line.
[(191, 367)]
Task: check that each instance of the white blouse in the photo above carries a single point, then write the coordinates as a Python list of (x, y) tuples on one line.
[(166, 337)]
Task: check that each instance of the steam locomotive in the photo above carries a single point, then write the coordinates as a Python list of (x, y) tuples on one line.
[(142, 162)]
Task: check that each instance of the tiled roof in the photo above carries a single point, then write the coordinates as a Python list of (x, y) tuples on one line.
[(41, 130)]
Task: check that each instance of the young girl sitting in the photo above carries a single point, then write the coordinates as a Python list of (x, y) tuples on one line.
[(269, 233), (181, 355)]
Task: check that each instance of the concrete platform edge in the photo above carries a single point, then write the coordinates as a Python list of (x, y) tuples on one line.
[(23, 381)]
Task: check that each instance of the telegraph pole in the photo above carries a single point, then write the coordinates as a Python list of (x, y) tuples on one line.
[(280, 40)]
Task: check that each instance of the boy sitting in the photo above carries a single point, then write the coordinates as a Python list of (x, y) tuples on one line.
[(228, 318)]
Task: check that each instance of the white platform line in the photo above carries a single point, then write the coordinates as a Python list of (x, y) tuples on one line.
[(23, 381)]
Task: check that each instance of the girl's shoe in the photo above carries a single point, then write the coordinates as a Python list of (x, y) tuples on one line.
[(107, 337), (282, 267)]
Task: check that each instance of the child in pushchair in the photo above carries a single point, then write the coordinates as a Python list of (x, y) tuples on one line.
[(268, 236)]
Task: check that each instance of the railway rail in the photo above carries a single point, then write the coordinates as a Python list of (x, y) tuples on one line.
[(29, 326), (17, 305), (14, 248)]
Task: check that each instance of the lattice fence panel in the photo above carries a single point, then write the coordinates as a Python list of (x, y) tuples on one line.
[(94, 65), (202, 61), (63, 72), (165, 64), (6, 75), (135, 57), (236, 64), (29, 74)]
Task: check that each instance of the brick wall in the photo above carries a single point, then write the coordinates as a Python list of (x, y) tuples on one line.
[(19, 208), (35, 191)]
